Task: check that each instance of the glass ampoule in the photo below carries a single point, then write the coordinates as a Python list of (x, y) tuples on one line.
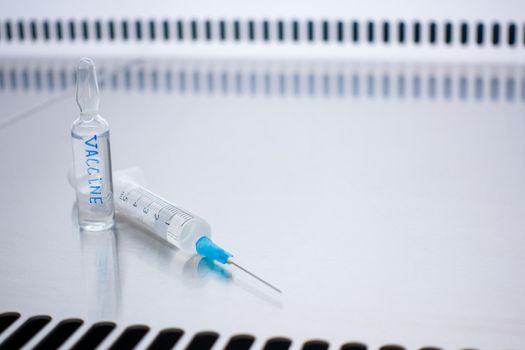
[(91, 154)]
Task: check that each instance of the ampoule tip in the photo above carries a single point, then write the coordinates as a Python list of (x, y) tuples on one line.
[(87, 87)]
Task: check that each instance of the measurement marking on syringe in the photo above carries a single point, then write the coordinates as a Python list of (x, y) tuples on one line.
[(146, 202), (177, 212), (157, 215), (145, 210)]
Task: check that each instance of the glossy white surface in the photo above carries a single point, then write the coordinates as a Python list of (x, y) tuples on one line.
[(384, 220)]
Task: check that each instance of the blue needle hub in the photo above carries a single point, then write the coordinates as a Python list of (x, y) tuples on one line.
[(210, 250)]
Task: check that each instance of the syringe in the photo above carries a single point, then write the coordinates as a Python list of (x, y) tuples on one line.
[(173, 224)]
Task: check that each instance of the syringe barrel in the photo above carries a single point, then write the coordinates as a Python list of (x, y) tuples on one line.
[(173, 224)]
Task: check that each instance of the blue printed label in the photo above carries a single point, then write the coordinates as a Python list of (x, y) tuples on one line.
[(94, 180)]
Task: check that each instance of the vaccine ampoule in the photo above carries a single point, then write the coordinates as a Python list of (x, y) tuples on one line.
[(91, 154)]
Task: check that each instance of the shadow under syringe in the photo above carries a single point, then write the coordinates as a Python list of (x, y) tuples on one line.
[(193, 270)]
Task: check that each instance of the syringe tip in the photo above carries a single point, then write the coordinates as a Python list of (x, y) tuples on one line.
[(87, 87)]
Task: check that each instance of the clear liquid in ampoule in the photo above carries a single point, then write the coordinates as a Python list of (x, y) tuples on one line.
[(91, 155)]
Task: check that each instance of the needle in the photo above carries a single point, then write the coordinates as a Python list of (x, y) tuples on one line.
[(254, 276)]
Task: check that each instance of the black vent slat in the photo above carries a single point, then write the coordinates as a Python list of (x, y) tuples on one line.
[(401, 32), (251, 30), (448, 33), (310, 30), (417, 32), (326, 31), (194, 33), (152, 30), (370, 31), (266, 31), (222, 30), (279, 343), (138, 30), (7, 318), (464, 33), (240, 342), (25, 332), (21, 31), (33, 30), (237, 30), (72, 30), (280, 30), (340, 31), (59, 334), (125, 30), (511, 37), (208, 30), (85, 30), (315, 345), (98, 30), (392, 347), (166, 339), (166, 29), (94, 336), (180, 30), (355, 31), (8, 31), (295, 30), (353, 346), (386, 32), (111, 30), (203, 341), (47, 34), (432, 33), (130, 337), (480, 33), (58, 29), (495, 34)]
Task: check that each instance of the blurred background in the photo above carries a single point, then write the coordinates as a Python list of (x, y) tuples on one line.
[(366, 157)]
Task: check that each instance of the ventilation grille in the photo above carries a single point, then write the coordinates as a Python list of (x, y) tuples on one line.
[(308, 81), (42, 333), (491, 34)]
